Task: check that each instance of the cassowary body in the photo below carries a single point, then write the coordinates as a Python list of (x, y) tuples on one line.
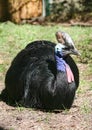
[(34, 81)]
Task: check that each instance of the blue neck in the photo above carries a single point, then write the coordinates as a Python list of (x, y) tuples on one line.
[(60, 63)]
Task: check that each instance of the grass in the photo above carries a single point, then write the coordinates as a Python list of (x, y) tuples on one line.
[(13, 38), (86, 108), (17, 36)]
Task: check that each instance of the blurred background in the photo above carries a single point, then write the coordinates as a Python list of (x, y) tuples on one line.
[(39, 11)]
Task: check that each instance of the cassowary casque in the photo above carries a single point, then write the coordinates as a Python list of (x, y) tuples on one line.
[(43, 75)]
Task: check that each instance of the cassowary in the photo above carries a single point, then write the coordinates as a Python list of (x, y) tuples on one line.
[(43, 75)]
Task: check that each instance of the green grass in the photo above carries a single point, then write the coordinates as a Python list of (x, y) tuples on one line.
[(86, 107), (13, 38)]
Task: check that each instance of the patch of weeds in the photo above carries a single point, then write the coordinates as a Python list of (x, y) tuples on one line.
[(11, 129), (47, 118), (2, 71), (20, 107), (86, 52), (2, 67), (66, 111), (90, 69), (85, 85), (86, 108), (81, 89), (31, 109), (90, 86)]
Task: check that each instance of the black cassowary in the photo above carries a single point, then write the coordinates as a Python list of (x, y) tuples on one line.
[(34, 79)]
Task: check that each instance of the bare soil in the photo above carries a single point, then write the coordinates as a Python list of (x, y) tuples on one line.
[(79, 117)]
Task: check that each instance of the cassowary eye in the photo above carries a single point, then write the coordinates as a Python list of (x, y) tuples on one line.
[(67, 48), (72, 47)]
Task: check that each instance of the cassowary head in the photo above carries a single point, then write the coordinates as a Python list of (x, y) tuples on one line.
[(67, 43)]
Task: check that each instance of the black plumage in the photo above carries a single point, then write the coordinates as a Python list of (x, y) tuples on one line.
[(33, 80)]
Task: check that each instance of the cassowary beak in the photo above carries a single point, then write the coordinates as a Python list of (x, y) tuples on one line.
[(75, 52)]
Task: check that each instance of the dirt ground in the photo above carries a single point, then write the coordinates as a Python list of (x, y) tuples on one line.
[(79, 117)]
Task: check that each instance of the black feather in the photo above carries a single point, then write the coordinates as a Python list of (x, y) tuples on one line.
[(34, 81)]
